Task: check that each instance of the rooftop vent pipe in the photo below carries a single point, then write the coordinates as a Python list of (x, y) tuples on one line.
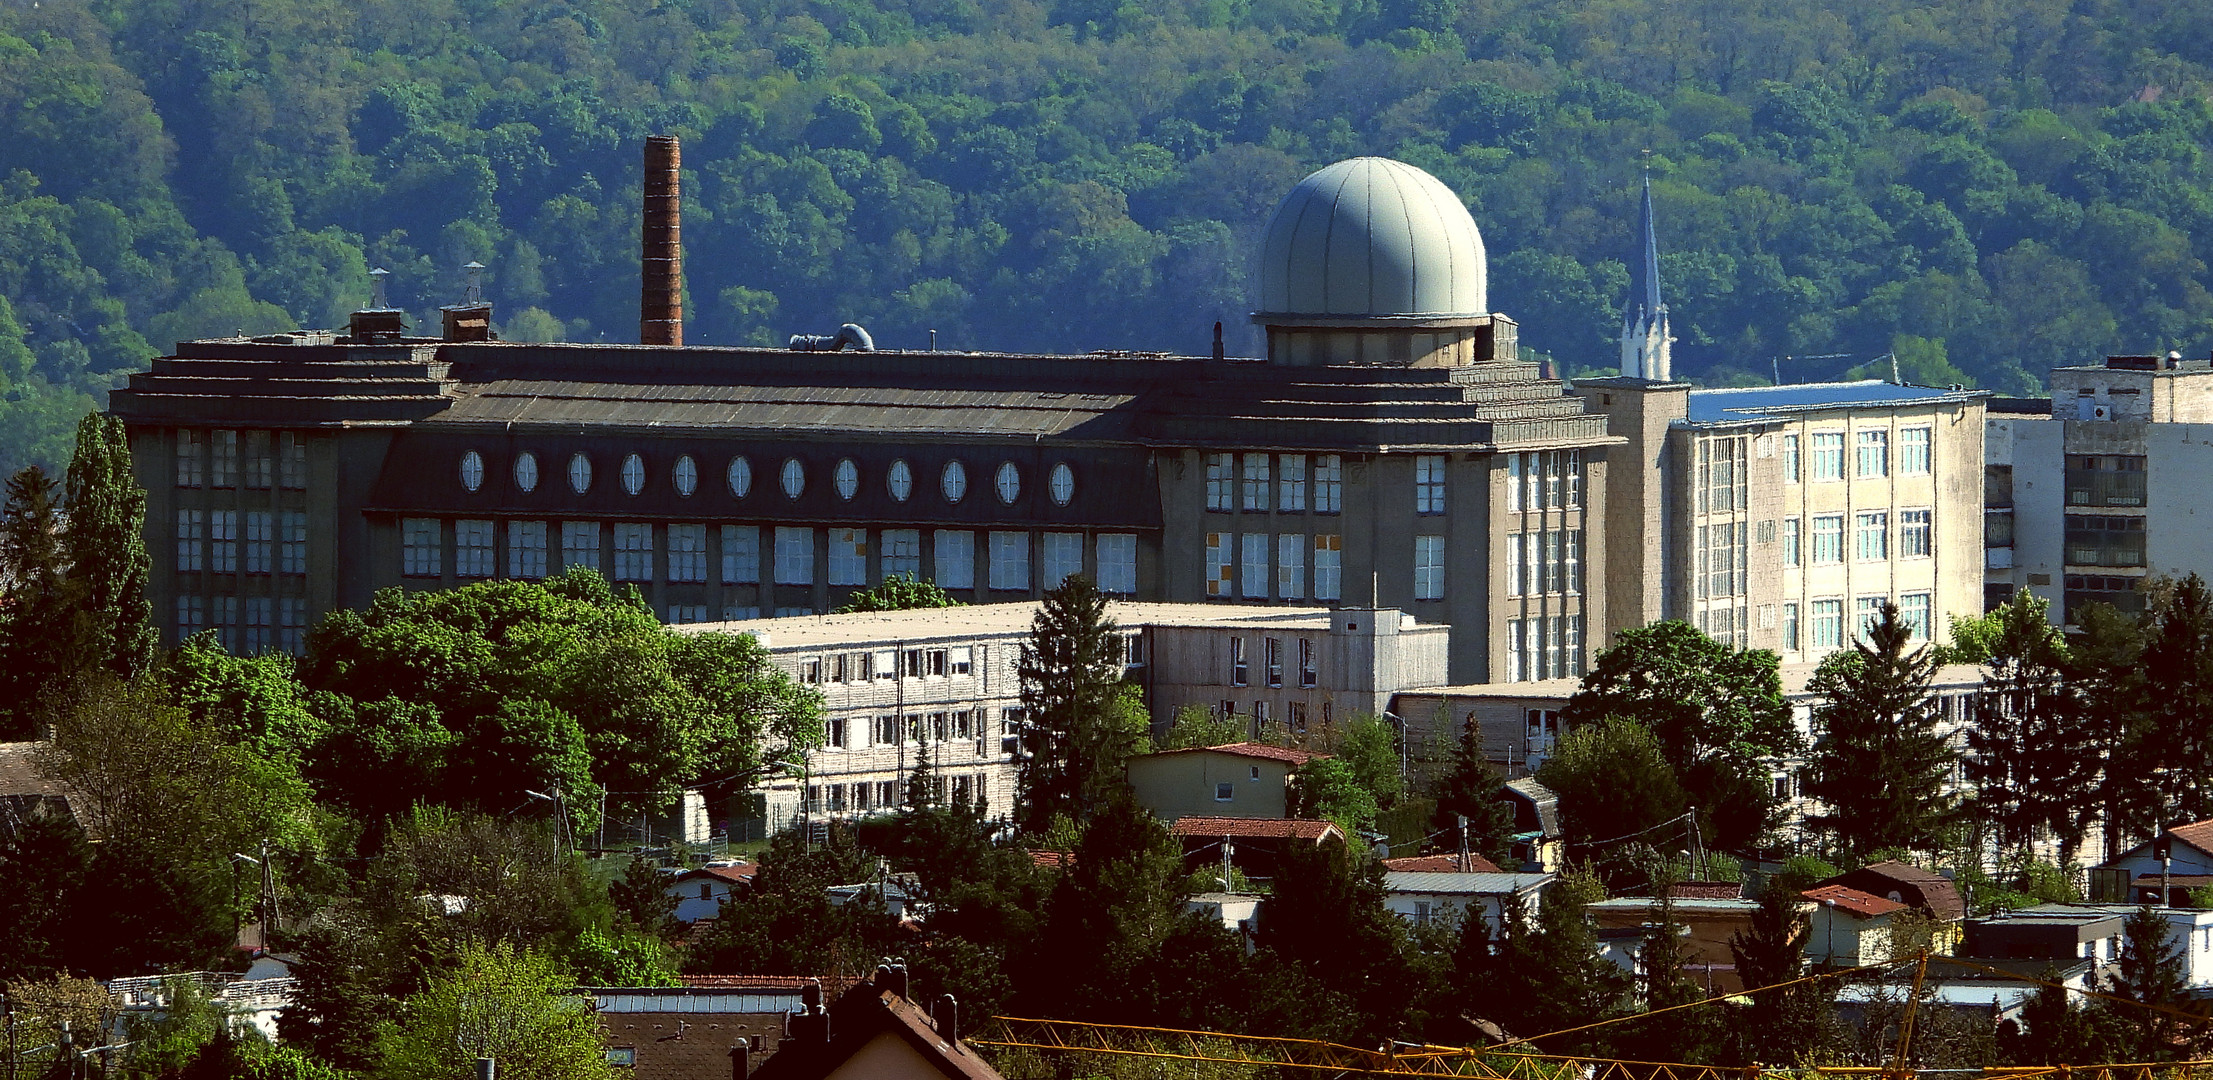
[(661, 265), (850, 334)]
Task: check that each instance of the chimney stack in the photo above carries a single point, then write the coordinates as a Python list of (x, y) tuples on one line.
[(661, 292)]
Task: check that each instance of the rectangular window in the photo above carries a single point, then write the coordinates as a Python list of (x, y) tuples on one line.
[(261, 464), (191, 616), (1291, 482), (1873, 459), (1790, 628), (902, 553), (741, 554), (1309, 673), (1916, 532), (1329, 484), (580, 544), (223, 541), (633, 551), (421, 544), (1240, 666), (1867, 611), (191, 453), (1060, 556), (1220, 571), (1913, 451), (258, 635), (1118, 563), (261, 541), (955, 551), (1429, 568), (963, 660), (1290, 566), (292, 625), (848, 556), (1571, 560), (526, 549), (680, 614), (1221, 481), (191, 541), (1329, 566), (1010, 561), (1256, 484), (472, 549), (795, 555), (1913, 611), (1872, 536), (688, 553), (1828, 455), (1429, 483), (223, 465), (1252, 558), (740, 612), (1828, 539), (1271, 655), (1793, 553), (291, 461), (225, 619), (1790, 459), (1828, 624)]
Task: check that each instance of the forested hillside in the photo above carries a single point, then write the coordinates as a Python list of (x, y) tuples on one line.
[(1996, 186)]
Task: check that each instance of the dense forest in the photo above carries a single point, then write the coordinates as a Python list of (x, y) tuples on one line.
[(1981, 189)]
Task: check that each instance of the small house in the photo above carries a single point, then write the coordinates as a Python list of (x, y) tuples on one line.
[(873, 1032), (701, 892), (1252, 845), (1849, 928), (1244, 780), (1422, 897), (2178, 860), (1708, 926)]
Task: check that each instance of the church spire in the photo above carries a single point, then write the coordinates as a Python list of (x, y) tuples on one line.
[(1645, 341)]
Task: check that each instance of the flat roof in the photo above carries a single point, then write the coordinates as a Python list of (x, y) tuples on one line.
[(794, 632), (1795, 677), (1439, 883), (1737, 404)]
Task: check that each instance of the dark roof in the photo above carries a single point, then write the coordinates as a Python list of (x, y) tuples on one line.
[(1706, 890), (1919, 888), (858, 1018), (1257, 828), (741, 874)]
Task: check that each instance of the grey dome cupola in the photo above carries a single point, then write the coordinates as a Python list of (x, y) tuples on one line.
[(1372, 238)]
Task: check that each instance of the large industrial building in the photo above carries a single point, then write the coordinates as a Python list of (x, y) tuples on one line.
[(1391, 450)]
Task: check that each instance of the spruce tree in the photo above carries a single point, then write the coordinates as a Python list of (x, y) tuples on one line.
[(1078, 734), (1880, 763), (2151, 971), (2175, 707), (1474, 789), (105, 547), (36, 654), (2031, 754)]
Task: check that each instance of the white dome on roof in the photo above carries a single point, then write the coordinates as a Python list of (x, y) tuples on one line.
[(1371, 237)]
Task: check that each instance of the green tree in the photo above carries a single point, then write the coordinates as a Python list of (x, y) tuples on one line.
[(499, 1002), (2174, 714), (1879, 762), (1326, 788), (1717, 711), (1078, 729), (2152, 971), (1549, 975), (105, 547), (37, 624), (1474, 789), (1368, 746), (2031, 754), (1614, 785), (1348, 957), (1198, 726), (898, 592)]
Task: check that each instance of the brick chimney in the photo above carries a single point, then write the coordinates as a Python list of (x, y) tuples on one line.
[(661, 291)]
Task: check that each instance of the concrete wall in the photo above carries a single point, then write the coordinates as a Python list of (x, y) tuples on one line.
[(1362, 657), (1184, 784)]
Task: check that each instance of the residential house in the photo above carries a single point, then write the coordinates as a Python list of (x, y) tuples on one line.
[(1246, 780), (2178, 860), (1252, 845), (1238, 912), (1986, 991), (873, 1032), (1470, 863), (1848, 928), (2189, 933), (1932, 894), (897, 895), (700, 892), (695, 1032), (2062, 933), (1708, 923), (1422, 897)]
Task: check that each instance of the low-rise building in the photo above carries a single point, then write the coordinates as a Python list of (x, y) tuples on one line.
[(1422, 897), (695, 1032), (1246, 780), (1253, 846), (1708, 924), (2173, 863), (700, 892), (1848, 927)]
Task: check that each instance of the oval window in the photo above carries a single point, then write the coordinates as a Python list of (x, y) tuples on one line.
[(954, 482), (740, 476), (795, 477), (1009, 482), (633, 474), (580, 474), (685, 475), (472, 470), (900, 480), (526, 471), (1063, 484), (847, 478)]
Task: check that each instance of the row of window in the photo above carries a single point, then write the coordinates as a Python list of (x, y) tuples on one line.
[(1544, 563), (1826, 619), (1262, 724), (1271, 662), (246, 625), (272, 542), (858, 733), (879, 665), (845, 477), (871, 795), (1872, 457), (1234, 557), (1871, 537), (252, 459), (1544, 480), (899, 551), (1544, 647), (1261, 483)]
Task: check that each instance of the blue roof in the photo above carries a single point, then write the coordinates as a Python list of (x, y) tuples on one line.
[(1738, 404)]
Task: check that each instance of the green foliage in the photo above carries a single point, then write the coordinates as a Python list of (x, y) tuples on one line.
[(1368, 746), (1546, 973), (1328, 943), (1879, 762), (2152, 971), (1082, 722), (1328, 789), (786, 924), (1197, 726), (2032, 748), (899, 593), (36, 625), (105, 544), (499, 1002), (1473, 788), (1614, 785)]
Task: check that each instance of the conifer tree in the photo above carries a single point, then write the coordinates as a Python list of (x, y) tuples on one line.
[(1549, 975), (1879, 761), (35, 636), (1474, 789), (2174, 738), (105, 546), (2152, 971), (1078, 731), (2031, 752)]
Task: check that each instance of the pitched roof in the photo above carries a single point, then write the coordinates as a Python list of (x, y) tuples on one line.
[(1261, 751), (1257, 828), (741, 874), (1706, 890), (1844, 898), (1918, 887), (857, 1019), (1053, 860), (1442, 864), (831, 983), (2197, 834)]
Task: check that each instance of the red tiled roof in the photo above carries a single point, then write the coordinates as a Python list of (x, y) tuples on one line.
[(1264, 828), (1053, 860), (1262, 751), (1706, 890), (1442, 864), (2197, 834), (1863, 904), (741, 874)]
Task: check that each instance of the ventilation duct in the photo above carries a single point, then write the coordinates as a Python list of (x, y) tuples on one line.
[(848, 336)]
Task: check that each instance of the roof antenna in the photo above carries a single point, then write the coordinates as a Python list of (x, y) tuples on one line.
[(475, 292), (376, 289)]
